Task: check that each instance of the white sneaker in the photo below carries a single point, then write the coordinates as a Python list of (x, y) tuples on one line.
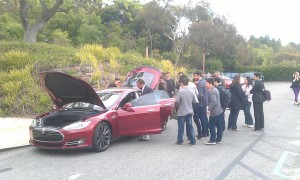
[(250, 126), (245, 125)]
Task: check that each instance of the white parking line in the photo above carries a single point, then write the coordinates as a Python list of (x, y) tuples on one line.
[(278, 168)]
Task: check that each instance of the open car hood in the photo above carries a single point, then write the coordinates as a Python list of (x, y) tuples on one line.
[(64, 89), (149, 74)]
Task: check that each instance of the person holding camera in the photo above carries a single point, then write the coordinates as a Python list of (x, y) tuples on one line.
[(296, 86)]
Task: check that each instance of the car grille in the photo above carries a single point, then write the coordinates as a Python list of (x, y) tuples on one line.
[(47, 135), (47, 144)]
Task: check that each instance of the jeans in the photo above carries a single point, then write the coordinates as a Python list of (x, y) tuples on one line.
[(204, 120), (181, 121), (296, 93), (232, 119), (215, 121), (248, 115), (258, 115)]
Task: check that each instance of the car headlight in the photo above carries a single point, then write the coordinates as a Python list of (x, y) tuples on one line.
[(77, 125), (36, 122)]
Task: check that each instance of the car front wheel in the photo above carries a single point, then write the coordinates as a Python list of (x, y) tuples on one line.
[(102, 137)]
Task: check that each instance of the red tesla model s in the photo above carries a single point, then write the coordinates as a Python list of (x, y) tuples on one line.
[(93, 119)]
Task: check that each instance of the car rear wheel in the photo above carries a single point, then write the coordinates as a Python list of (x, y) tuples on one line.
[(102, 137)]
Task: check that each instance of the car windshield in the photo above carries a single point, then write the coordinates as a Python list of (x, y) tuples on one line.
[(131, 80), (82, 106), (109, 97)]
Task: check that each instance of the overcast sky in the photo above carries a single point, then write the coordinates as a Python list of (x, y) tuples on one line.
[(276, 18), (280, 19)]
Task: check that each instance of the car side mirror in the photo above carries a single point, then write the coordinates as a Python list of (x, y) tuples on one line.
[(127, 107)]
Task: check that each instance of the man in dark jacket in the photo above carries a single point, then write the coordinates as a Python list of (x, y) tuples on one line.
[(258, 99), (116, 83), (145, 90), (238, 101), (170, 84), (220, 87)]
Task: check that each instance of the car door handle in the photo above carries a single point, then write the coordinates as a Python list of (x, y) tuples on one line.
[(151, 110), (169, 104)]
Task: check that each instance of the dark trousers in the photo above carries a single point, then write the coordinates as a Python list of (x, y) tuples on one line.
[(232, 119), (223, 120), (204, 121), (296, 93), (215, 122), (196, 120), (259, 115)]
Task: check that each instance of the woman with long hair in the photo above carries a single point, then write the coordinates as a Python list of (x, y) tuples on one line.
[(237, 102), (248, 85), (296, 86)]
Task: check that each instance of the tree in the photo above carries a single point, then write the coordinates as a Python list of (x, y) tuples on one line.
[(31, 30)]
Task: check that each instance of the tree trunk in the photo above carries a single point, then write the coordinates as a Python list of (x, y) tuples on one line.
[(31, 32)]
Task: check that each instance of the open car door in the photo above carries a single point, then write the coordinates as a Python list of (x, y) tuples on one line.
[(166, 104), (149, 74), (141, 116)]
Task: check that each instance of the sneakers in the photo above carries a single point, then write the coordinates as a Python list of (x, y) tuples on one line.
[(191, 144), (245, 125), (143, 139), (219, 142), (198, 137), (251, 126), (211, 142)]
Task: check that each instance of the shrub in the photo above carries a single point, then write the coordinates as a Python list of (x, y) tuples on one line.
[(20, 94), (15, 60), (60, 37)]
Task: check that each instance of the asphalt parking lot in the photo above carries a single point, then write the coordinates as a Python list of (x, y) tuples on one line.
[(271, 154)]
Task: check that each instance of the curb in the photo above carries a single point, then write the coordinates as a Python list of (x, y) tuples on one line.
[(13, 148)]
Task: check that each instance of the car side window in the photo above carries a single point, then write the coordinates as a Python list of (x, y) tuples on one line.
[(150, 99), (131, 96)]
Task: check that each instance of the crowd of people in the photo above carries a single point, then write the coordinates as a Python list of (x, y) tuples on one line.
[(203, 105), (199, 101)]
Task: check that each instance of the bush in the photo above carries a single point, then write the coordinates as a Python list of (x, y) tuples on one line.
[(20, 94), (277, 72), (15, 60)]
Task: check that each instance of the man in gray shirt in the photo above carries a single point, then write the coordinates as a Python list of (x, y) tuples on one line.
[(214, 111), (183, 102)]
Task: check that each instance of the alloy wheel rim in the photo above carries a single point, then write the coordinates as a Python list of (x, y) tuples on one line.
[(103, 137)]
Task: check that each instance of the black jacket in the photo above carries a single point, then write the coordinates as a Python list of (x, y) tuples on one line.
[(257, 91), (147, 90), (295, 83), (238, 99)]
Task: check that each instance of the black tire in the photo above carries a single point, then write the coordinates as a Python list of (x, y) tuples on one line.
[(102, 137)]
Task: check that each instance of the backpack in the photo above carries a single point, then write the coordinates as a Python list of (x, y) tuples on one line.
[(225, 97), (267, 95)]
